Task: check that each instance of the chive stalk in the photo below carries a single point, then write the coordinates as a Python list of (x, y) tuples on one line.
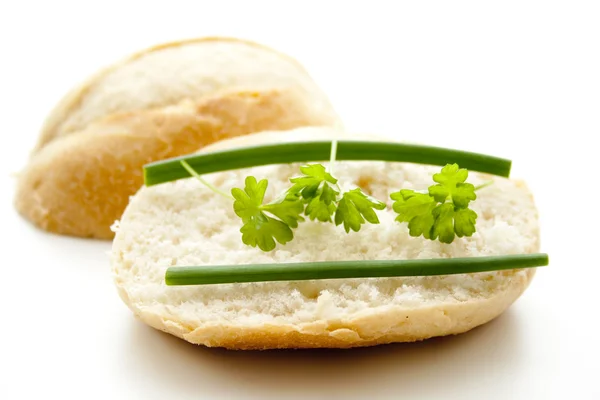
[(216, 274), (282, 153)]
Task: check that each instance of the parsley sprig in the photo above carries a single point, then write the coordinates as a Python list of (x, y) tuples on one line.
[(355, 208), (318, 190), (443, 213), (316, 194), (324, 200), (259, 228)]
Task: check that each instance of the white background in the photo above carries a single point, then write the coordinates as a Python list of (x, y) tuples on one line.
[(518, 79)]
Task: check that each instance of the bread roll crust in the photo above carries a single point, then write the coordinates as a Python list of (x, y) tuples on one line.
[(93, 145), (66, 117), (381, 323), (398, 325)]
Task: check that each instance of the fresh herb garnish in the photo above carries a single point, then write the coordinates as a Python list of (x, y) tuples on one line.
[(316, 193), (259, 229), (440, 214), (443, 213), (355, 208), (208, 275), (319, 191), (318, 151)]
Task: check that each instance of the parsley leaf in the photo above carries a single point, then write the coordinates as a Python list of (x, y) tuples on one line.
[(451, 182), (316, 209), (451, 221), (464, 222), (314, 176), (443, 213), (316, 188), (248, 201), (443, 227), (354, 208), (259, 229), (287, 209), (416, 209)]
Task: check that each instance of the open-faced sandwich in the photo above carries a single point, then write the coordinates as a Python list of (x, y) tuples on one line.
[(315, 238)]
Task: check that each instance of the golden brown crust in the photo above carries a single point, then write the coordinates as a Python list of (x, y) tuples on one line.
[(389, 326), (92, 146), (80, 184), (53, 128)]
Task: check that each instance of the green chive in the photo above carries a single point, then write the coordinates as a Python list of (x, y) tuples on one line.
[(283, 153), (207, 275)]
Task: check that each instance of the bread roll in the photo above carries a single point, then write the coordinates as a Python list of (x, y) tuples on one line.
[(182, 223), (166, 101)]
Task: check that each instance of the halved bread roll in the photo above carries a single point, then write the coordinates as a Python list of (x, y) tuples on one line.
[(166, 101), (182, 223)]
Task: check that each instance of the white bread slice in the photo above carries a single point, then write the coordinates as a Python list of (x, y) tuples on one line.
[(182, 223), (163, 102)]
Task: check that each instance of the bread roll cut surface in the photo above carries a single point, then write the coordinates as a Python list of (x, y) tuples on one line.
[(163, 102), (182, 224)]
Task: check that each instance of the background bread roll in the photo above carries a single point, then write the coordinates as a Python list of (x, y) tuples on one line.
[(182, 223), (166, 101)]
